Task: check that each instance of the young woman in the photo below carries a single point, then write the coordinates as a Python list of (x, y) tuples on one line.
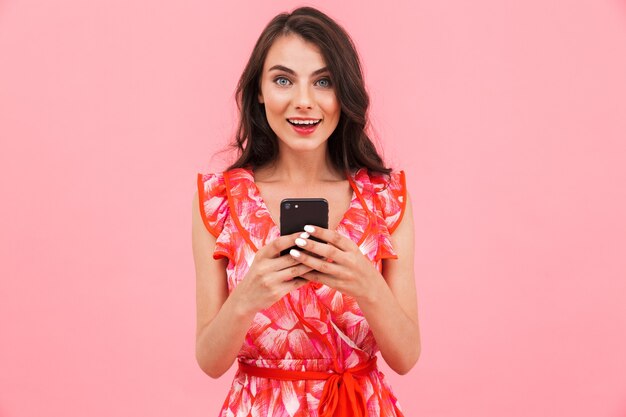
[(305, 346)]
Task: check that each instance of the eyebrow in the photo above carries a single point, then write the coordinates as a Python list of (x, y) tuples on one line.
[(290, 71)]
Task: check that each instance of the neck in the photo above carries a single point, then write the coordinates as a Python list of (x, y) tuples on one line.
[(300, 169)]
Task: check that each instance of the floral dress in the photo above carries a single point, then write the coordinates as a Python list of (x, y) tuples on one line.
[(314, 328)]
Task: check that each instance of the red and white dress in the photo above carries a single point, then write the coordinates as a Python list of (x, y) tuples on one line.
[(314, 345)]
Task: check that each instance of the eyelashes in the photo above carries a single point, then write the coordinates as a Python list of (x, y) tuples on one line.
[(278, 79), (326, 80)]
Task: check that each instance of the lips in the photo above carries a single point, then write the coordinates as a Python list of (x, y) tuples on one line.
[(304, 129), (317, 121)]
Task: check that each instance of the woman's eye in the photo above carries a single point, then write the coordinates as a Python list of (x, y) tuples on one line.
[(325, 82), (283, 82), (279, 79)]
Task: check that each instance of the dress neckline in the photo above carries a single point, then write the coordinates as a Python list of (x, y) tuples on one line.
[(350, 176)]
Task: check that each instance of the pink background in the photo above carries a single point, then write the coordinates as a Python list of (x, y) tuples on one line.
[(508, 117)]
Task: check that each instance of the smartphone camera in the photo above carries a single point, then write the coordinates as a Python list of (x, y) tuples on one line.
[(287, 206)]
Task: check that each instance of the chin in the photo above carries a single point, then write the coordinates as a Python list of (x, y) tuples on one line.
[(304, 144)]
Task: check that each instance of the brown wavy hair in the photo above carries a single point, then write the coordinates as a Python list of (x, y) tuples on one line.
[(349, 146)]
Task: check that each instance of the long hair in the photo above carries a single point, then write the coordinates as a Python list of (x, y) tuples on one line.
[(349, 146)]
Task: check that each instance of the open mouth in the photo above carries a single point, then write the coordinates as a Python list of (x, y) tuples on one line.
[(306, 124)]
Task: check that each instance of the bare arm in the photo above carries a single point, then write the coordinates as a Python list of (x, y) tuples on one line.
[(391, 310), (221, 325), (222, 321)]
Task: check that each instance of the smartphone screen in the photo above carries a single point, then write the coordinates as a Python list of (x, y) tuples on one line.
[(295, 213)]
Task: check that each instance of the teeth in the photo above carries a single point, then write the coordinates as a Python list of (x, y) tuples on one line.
[(303, 122)]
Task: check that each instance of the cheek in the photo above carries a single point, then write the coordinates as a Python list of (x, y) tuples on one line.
[(276, 102), (329, 104)]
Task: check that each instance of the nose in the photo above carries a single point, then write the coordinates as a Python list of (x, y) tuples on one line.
[(303, 97)]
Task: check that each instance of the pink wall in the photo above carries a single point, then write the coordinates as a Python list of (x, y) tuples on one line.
[(508, 117)]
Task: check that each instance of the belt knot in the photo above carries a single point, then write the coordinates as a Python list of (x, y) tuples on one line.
[(342, 396)]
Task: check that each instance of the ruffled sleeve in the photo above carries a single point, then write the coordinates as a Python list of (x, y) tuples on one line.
[(390, 201), (391, 197), (213, 201)]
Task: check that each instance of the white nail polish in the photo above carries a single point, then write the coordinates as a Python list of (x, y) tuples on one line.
[(305, 235), (309, 228), (300, 242), (294, 253)]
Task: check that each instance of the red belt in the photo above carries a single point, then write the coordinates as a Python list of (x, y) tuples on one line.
[(342, 395)]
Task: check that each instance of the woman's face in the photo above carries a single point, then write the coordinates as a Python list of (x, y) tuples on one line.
[(296, 86)]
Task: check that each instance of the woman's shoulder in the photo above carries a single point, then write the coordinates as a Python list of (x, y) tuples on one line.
[(213, 200), (380, 182), (390, 194), (211, 180), (383, 182), (216, 182)]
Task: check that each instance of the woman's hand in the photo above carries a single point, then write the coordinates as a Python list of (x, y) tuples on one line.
[(270, 276), (388, 303), (340, 264)]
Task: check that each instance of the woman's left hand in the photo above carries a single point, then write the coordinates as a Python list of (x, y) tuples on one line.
[(340, 265)]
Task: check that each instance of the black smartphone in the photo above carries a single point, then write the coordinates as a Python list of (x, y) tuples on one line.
[(295, 213)]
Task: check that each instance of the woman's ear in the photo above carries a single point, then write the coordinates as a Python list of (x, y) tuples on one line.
[(260, 98)]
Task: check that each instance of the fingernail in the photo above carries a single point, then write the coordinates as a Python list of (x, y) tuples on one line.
[(294, 253), (300, 242), (305, 235), (309, 228)]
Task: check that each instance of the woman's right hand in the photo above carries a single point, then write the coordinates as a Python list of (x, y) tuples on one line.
[(270, 276)]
